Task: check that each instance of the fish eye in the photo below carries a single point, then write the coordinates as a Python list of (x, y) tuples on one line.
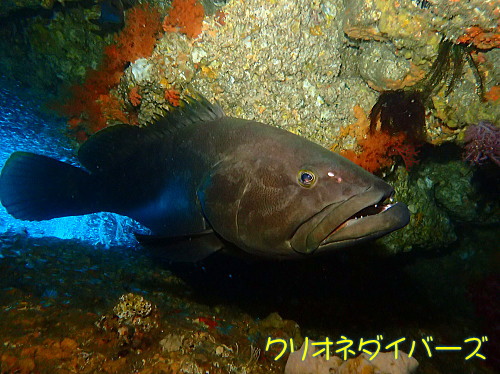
[(306, 178)]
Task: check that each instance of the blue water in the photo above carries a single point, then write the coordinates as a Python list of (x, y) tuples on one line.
[(23, 128)]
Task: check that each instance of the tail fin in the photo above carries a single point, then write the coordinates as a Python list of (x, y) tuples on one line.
[(35, 187)]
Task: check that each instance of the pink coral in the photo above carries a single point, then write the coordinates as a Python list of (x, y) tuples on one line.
[(407, 152), (482, 142)]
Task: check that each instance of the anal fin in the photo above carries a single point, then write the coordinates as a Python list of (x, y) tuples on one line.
[(188, 248)]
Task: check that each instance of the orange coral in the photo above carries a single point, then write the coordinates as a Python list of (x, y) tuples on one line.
[(373, 156), (91, 105), (480, 38), (185, 16), (138, 37), (377, 150), (360, 127), (111, 109), (134, 96), (220, 17), (493, 94), (173, 97)]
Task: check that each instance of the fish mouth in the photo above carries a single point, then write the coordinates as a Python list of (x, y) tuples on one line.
[(369, 223), (366, 216)]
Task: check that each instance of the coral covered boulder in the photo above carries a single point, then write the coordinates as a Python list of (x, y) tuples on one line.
[(383, 363)]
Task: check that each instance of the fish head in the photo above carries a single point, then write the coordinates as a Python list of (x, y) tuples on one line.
[(293, 198), (349, 206)]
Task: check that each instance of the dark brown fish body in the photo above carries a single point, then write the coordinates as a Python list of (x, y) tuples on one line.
[(200, 179)]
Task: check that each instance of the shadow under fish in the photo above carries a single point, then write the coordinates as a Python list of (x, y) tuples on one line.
[(203, 182)]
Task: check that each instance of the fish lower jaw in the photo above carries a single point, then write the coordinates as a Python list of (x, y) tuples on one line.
[(371, 212)]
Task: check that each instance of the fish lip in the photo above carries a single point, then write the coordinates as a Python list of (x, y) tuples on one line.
[(323, 230), (391, 217), (369, 210)]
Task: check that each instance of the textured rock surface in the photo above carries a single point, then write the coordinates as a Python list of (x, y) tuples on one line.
[(8, 6), (430, 227), (277, 62)]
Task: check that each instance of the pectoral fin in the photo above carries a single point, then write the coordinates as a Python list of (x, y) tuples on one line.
[(188, 248)]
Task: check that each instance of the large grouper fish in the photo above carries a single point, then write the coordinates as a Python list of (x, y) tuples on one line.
[(202, 181)]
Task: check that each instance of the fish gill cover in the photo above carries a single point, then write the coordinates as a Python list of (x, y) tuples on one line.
[(22, 128)]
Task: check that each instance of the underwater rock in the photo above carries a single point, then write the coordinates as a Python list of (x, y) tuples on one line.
[(142, 76), (462, 107), (430, 226), (131, 306), (279, 66), (454, 191), (383, 363), (382, 20), (273, 324), (50, 52), (133, 323), (463, 196), (380, 67), (440, 195), (406, 19), (140, 70), (10, 6), (416, 31), (273, 321), (171, 343)]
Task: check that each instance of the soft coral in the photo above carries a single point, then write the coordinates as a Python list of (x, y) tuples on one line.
[(91, 104), (185, 16), (377, 149), (138, 38), (482, 143)]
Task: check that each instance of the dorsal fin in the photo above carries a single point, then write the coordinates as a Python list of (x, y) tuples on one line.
[(116, 146), (193, 109)]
